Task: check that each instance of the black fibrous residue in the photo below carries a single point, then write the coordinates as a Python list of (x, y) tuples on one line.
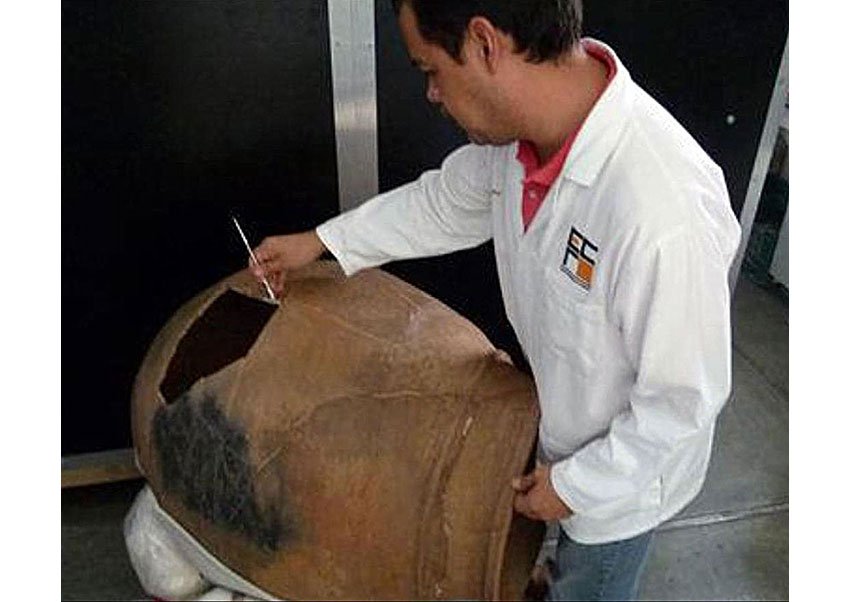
[(204, 460)]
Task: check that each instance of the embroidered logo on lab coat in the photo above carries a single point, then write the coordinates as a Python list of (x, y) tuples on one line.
[(580, 259)]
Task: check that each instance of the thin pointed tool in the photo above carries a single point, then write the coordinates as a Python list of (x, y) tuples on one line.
[(269, 290)]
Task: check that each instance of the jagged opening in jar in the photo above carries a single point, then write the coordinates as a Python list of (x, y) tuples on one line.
[(225, 332)]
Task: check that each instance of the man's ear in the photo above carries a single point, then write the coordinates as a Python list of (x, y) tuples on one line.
[(485, 43)]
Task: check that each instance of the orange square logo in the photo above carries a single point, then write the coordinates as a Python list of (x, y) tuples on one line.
[(580, 259)]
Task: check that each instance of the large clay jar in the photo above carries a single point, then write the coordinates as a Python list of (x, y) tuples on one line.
[(356, 441)]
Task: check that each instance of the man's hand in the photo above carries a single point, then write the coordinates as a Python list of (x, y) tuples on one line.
[(279, 254), (536, 498)]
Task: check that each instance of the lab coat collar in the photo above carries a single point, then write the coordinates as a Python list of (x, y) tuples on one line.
[(602, 129)]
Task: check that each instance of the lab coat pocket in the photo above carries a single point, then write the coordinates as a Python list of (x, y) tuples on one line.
[(572, 325)]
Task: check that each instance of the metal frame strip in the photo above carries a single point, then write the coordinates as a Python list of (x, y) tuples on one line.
[(352, 40), (775, 117)]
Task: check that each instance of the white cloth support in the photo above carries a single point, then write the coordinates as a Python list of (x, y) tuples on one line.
[(172, 564)]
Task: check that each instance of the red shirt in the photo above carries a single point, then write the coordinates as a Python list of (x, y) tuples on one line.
[(538, 179)]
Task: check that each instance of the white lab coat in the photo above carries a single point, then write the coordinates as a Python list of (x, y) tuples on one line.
[(631, 353)]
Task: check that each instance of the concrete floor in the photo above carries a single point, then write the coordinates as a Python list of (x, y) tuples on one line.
[(731, 543)]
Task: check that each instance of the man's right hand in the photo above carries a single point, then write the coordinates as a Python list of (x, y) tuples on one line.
[(279, 254)]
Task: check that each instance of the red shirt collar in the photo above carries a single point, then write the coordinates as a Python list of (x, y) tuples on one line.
[(527, 153)]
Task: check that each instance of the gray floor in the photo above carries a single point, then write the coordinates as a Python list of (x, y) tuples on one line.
[(731, 543)]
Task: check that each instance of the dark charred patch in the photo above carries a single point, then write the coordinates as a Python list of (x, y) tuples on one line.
[(225, 332), (204, 460)]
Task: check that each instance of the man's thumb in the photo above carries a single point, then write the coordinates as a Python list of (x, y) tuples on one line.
[(523, 483)]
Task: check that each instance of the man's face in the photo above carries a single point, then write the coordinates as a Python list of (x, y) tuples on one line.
[(464, 91)]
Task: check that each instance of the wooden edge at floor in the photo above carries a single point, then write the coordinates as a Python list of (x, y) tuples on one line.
[(99, 468)]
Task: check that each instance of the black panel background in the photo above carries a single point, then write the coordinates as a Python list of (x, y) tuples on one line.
[(701, 59), (174, 114)]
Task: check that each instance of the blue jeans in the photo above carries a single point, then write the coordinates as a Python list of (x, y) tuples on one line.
[(609, 571)]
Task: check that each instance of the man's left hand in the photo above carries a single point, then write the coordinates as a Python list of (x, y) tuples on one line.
[(536, 498)]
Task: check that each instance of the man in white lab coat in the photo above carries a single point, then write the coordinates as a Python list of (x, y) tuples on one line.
[(613, 236)]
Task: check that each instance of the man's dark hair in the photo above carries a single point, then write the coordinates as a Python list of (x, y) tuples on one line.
[(544, 29)]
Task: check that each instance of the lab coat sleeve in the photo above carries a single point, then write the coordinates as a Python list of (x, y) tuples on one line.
[(444, 210), (672, 308)]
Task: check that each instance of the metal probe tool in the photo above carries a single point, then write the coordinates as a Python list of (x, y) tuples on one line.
[(269, 290)]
